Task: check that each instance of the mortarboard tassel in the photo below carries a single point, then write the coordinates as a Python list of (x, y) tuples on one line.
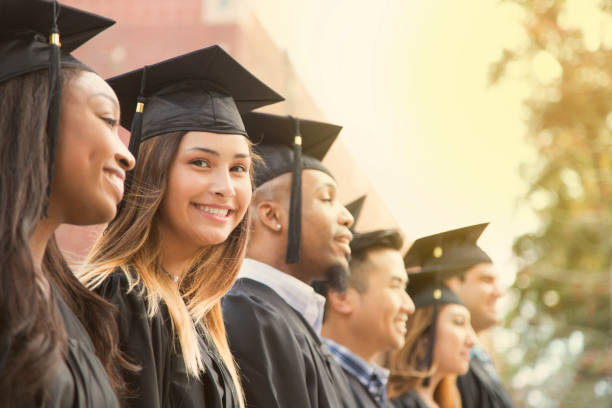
[(55, 98), (295, 207), (135, 134)]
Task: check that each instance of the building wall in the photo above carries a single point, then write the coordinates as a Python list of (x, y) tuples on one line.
[(148, 31)]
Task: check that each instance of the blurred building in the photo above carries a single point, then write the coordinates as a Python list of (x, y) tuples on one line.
[(148, 31)]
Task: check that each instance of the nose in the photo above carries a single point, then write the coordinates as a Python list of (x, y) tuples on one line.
[(345, 218), (408, 304), (123, 156), (222, 183), (497, 291)]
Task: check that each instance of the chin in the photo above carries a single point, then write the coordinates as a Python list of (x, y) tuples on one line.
[(207, 238)]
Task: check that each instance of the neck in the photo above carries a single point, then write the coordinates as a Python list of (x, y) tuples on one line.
[(175, 255), (38, 242), (342, 334), (273, 254), (427, 392)]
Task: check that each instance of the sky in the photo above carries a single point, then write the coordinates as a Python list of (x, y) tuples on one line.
[(408, 82)]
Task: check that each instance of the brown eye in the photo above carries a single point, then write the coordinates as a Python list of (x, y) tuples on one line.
[(200, 163), (111, 121)]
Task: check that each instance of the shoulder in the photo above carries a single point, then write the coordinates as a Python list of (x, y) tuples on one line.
[(256, 300), (255, 314)]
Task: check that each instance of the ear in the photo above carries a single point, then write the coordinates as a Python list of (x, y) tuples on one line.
[(343, 303), (271, 215)]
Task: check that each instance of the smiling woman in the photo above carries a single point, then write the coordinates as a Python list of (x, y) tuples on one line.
[(59, 142), (176, 246), (437, 348)]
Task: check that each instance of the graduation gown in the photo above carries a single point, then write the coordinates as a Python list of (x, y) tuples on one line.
[(363, 398), (409, 400), (148, 341), (81, 380), (478, 389), (280, 357)]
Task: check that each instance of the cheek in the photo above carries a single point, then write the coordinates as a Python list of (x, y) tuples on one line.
[(243, 195)]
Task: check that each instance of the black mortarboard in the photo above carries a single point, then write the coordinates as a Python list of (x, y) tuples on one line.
[(449, 252), (355, 207), (30, 41), (289, 145), (390, 238), (25, 30), (204, 90)]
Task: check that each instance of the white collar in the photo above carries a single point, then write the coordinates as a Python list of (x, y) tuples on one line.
[(296, 293)]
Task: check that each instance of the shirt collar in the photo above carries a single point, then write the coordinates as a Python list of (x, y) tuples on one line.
[(296, 293), (373, 377)]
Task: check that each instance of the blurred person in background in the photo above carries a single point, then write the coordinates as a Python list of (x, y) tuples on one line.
[(437, 348), (469, 272)]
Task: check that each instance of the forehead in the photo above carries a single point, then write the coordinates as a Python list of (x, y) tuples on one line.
[(219, 142), (386, 263), (86, 85), (314, 180), (453, 309), (482, 269)]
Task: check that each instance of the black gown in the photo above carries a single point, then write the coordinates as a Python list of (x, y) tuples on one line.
[(408, 400), (363, 398), (280, 357), (81, 380), (148, 342), (478, 389)]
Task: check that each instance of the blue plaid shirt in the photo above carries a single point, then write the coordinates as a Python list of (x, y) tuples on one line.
[(371, 376)]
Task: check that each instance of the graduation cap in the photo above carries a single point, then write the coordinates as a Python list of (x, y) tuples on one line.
[(448, 253), (204, 90), (30, 41), (355, 207), (389, 238), (289, 145), (29, 32)]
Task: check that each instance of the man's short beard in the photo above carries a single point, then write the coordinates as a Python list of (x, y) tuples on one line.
[(337, 278)]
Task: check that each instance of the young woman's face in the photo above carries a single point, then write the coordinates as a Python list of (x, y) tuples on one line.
[(209, 189), (91, 160), (454, 340)]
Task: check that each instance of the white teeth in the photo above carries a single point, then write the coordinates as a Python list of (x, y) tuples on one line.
[(220, 212)]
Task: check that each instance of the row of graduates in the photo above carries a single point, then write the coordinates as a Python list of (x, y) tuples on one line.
[(172, 307)]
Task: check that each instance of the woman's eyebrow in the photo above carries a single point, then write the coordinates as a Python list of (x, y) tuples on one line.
[(216, 153), (107, 96)]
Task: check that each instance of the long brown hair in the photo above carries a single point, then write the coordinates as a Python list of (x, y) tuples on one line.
[(132, 242), (32, 335), (407, 364)]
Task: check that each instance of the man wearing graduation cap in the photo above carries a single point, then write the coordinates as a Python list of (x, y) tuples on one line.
[(369, 317), (300, 233), (468, 271)]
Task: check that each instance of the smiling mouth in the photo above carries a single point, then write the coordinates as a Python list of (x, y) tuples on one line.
[(116, 180), (401, 325), (216, 211)]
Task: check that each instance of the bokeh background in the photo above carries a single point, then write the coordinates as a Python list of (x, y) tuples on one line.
[(454, 113)]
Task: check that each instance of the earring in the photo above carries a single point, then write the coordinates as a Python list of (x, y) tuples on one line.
[(278, 226)]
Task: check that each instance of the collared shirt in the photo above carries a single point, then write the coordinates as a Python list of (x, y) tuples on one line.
[(374, 378), (296, 293)]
